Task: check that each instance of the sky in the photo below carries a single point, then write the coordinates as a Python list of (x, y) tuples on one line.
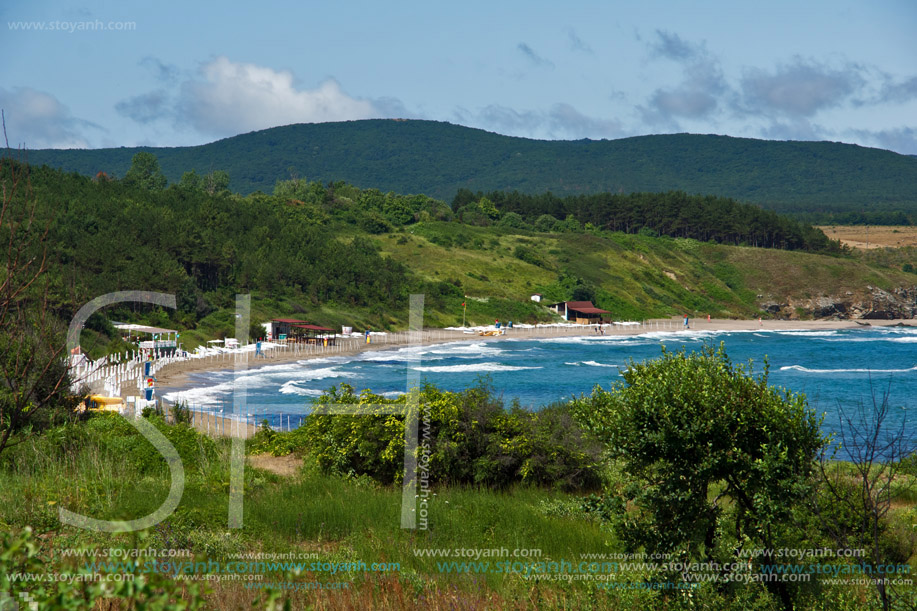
[(115, 73)]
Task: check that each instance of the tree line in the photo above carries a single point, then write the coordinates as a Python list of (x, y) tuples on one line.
[(675, 213)]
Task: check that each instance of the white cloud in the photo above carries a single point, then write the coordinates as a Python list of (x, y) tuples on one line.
[(702, 85), (231, 98), (798, 89), (145, 108), (35, 119)]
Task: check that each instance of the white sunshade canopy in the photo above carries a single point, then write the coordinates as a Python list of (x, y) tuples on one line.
[(141, 328)]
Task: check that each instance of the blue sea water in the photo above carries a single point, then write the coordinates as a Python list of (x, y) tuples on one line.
[(832, 367)]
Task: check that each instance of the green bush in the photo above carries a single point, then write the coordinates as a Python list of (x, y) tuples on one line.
[(116, 435), (373, 223), (545, 223), (529, 255), (465, 437), (181, 413), (21, 552), (715, 458), (512, 220)]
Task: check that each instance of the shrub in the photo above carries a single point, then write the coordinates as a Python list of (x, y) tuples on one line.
[(545, 223), (373, 223), (181, 413), (469, 437), (529, 255), (693, 430), (512, 220)]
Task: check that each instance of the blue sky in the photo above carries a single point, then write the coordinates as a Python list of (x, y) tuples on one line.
[(171, 73)]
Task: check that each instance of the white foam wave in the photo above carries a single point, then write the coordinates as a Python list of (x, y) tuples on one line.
[(291, 388), (596, 364), (590, 364), (495, 367), (808, 333), (200, 396), (214, 393), (808, 370), (620, 340)]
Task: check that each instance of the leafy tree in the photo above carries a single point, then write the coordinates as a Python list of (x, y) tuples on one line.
[(217, 181), (513, 220), (487, 208), (374, 223), (695, 433), (545, 223), (583, 292), (462, 198), (190, 181), (145, 172)]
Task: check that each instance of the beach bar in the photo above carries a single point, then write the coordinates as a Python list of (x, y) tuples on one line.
[(294, 330), (282, 328), (314, 334)]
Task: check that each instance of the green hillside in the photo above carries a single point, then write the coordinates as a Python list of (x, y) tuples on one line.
[(409, 156), (340, 255)]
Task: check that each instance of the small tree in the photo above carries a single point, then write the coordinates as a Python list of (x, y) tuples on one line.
[(854, 506), (545, 223), (216, 182), (694, 433), (145, 172)]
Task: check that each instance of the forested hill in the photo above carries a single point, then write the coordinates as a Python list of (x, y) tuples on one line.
[(437, 159)]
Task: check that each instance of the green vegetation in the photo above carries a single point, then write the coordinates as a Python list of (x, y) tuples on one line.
[(676, 214), (827, 181), (468, 438), (338, 255), (696, 433), (745, 491)]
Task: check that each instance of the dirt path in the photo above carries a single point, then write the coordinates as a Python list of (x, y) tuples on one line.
[(286, 466)]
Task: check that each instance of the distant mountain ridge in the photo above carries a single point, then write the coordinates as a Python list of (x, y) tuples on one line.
[(436, 158)]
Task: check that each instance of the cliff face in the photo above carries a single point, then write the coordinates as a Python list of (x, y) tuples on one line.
[(870, 303)]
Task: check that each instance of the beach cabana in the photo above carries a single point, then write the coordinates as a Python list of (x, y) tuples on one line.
[(580, 312)]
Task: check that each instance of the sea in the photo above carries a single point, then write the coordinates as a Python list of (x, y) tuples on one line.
[(839, 371)]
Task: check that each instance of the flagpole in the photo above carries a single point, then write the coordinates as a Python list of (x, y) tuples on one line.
[(464, 307)]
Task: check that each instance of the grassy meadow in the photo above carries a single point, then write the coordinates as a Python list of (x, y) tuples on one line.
[(105, 469)]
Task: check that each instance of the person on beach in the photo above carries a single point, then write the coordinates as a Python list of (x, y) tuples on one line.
[(686, 321)]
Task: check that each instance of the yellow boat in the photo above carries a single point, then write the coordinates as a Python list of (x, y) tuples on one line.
[(99, 403)]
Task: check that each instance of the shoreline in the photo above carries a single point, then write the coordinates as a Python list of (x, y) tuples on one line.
[(175, 377)]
